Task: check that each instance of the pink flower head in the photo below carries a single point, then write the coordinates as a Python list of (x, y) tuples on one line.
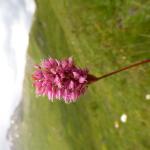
[(61, 80), (64, 80)]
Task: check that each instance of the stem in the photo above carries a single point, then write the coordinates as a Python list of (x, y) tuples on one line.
[(124, 69)]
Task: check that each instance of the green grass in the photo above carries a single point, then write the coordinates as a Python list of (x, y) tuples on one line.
[(104, 37)]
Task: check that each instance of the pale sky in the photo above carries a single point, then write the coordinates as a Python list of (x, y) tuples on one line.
[(15, 22)]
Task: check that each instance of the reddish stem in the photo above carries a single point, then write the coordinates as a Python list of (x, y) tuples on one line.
[(123, 69)]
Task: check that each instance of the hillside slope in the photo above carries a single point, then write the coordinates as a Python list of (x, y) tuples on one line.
[(102, 36)]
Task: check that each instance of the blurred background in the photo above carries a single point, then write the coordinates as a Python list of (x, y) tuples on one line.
[(103, 36), (15, 22)]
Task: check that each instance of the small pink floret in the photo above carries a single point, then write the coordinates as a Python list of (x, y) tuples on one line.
[(64, 63), (77, 94), (71, 85), (49, 94), (53, 93), (58, 63), (76, 75), (70, 60), (58, 94), (86, 71), (81, 79), (36, 66), (52, 62), (44, 64), (79, 86), (53, 70), (84, 89)]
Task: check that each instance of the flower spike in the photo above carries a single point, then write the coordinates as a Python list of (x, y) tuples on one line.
[(60, 80), (64, 80)]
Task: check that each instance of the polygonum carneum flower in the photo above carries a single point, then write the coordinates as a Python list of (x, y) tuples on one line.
[(62, 80)]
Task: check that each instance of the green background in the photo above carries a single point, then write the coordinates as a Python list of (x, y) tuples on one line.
[(103, 36)]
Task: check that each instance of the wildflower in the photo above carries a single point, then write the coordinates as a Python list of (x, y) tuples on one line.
[(61, 80), (124, 118), (116, 124), (148, 96), (131, 12)]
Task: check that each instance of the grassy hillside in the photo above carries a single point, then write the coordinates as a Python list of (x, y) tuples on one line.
[(103, 36)]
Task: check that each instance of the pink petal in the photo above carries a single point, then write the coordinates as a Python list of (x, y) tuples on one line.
[(77, 94), (70, 60), (62, 75), (66, 98), (57, 80), (39, 76), (64, 63), (59, 94), (49, 85), (53, 70), (84, 89), (37, 72), (59, 85), (71, 85), (45, 92), (58, 63), (79, 87), (65, 94), (36, 66), (76, 75), (39, 84), (44, 84), (59, 69), (72, 96), (49, 94), (85, 71), (79, 70), (52, 62), (81, 79), (53, 94), (41, 91), (44, 65), (48, 64)]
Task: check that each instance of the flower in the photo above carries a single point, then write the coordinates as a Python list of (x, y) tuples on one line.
[(131, 12), (148, 96), (64, 80), (61, 79), (116, 124), (124, 118)]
